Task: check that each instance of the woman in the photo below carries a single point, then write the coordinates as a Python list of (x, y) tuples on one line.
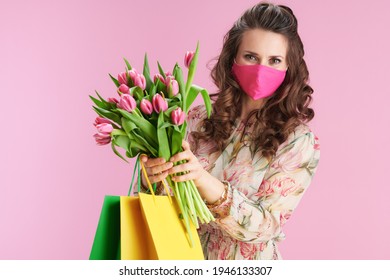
[(253, 160)]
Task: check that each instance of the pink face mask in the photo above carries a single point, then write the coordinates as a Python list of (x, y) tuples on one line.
[(258, 81)]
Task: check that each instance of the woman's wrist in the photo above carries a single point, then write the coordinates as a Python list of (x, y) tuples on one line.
[(222, 197), (211, 189)]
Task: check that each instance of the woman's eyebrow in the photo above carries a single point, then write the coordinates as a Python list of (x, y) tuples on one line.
[(253, 53)]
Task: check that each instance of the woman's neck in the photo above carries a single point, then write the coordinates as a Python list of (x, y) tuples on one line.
[(248, 105)]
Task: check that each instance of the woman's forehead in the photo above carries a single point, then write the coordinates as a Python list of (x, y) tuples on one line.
[(264, 43)]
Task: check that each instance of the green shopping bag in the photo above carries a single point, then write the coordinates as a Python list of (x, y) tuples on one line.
[(106, 245)]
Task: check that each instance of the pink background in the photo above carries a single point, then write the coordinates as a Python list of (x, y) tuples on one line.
[(54, 178)]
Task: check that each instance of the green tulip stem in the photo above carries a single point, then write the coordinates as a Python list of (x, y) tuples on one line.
[(182, 209)]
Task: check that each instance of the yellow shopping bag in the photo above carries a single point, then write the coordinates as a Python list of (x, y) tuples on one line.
[(151, 229)]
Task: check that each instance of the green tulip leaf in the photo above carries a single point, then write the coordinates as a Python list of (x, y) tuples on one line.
[(177, 140), (142, 142), (100, 104), (107, 114), (116, 82), (184, 130), (163, 143), (152, 90), (168, 112), (160, 86), (193, 93), (146, 73), (178, 73), (137, 93), (192, 69), (161, 70), (128, 125), (127, 65), (167, 124), (144, 125), (118, 132), (116, 152)]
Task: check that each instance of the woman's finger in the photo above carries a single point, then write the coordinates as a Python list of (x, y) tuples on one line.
[(184, 177), (150, 162), (157, 169), (185, 145), (184, 167), (158, 178)]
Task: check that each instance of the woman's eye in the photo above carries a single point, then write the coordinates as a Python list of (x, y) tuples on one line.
[(277, 60), (250, 57)]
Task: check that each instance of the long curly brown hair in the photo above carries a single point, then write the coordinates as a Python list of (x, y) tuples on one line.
[(283, 111)]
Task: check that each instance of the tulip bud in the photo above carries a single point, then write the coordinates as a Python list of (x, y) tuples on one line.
[(101, 140), (133, 73), (172, 86), (146, 107), (140, 81), (178, 116), (104, 129), (103, 136), (113, 100), (159, 103), (100, 120), (127, 102), (122, 79), (123, 89), (160, 77), (188, 58)]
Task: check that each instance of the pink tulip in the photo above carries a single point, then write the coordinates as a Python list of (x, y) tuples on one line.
[(100, 120), (113, 100), (146, 107), (159, 103), (133, 73), (140, 81), (188, 58), (168, 74), (127, 102), (160, 77), (172, 85), (101, 140), (178, 116), (103, 136), (124, 89), (104, 129), (122, 79)]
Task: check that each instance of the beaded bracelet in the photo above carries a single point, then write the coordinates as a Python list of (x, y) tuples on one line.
[(222, 198)]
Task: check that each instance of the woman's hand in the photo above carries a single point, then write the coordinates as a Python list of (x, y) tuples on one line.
[(192, 168), (209, 187), (156, 169)]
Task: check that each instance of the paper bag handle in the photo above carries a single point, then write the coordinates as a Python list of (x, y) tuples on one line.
[(137, 166)]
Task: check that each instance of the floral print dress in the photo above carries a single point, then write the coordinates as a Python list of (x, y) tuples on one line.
[(262, 195)]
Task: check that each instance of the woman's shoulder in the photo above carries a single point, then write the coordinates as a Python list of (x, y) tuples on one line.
[(197, 112), (302, 132), (195, 115)]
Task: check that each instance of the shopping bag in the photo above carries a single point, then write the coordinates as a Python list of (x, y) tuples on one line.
[(170, 238), (136, 241), (152, 228), (106, 244), (144, 227)]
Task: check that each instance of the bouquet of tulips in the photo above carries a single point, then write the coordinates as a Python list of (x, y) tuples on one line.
[(149, 117)]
